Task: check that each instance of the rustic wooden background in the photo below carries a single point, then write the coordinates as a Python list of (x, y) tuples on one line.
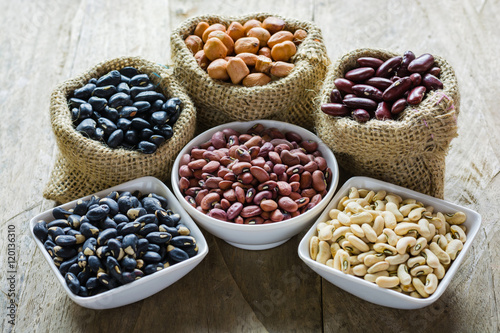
[(45, 42)]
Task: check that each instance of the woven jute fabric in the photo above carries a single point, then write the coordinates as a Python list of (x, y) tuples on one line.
[(84, 165), (288, 99), (409, 151)]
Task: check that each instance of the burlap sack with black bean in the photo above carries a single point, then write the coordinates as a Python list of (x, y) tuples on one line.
[(288, 99), (409, 151), (86, 166)]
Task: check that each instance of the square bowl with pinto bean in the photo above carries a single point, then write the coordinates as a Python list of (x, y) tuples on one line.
[(389, 245)]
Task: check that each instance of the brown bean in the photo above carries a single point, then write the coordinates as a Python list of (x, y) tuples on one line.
[(367, 91), (209, 200), (251, 24), (318, 181), (287, 204), (379, 83), (279, 37), (399, 106), (421, 64), (360, 115), (237, 70), (281, 68), (273, 24), (416, 95), (265, 51), (213, 27), (298, 36), (200, 28), (246, 45), (236, 31), (397, 89), (225, 39), (431, 82), (335, 109), (215, 49), (194, 43), (344, 85), (283, 51), (359, 74), (369, 62), (383, 111), (261, 34), (250, 211), (249, 58), (389, 67), (360, 103)]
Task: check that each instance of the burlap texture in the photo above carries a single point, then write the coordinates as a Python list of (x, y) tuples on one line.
[(86, 166), (410, 151), (288, 99)]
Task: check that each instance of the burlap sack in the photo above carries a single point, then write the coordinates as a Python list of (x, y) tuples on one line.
[(288, 99), (85, 166), (409, 151)]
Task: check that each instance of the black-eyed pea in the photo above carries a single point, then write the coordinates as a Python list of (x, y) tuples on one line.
[(455, 218), (354, 207), (424, 229), (432, 230), (405, 244), (379, 205), (409, 288), (407, 207), (440, 240), (387, 282), (354, 260), (347, 246), (359, 270), (397, 259), (314, 247), (341, 261), (362, 192), (326, 233), (453, 248), (320, 226), (390, 220), (373, 277), (333, 213), (334, 247), (394, 198), (403, 228), (378, 225), (436, 222), (358, 243), (443, 256), (440, 271), (449, 236), (369, 196), (335, 223), (393, 208), (421, 270), (368, 232), (403, 275), (431, 284), (360, 218), (392, 238), (329, 263), (340, 205), (373, 259), (357, 230), (458, 233), (416, 214), (363, 255), (340, 233), (378, 267), (385, 248), (430, 258), (324, 252), (344, 219), (415, 262), (353, 193), (380, 195), (420, 287), (420, 244)]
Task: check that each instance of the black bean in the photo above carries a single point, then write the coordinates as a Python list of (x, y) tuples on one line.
[(147, 218), (157, 139), (107, 223), (157, 105), (142, 246), (111, 203), (163, 201), (103, 252), (107, 125), (130, 228), (114, 268), (49, 247), (169, 220), (84, 275), (111, 113), (55, 231), (154, 247), (119, 218), (84, 92), (124, 88), (131, 137), (76, 102), (115, 139), (134, 213), (159, 118), (128, 277), (89, 230), (129, 71), (127, 112), (111, 78), (72, 282), (60, 213), (106, 235), (107, 280), (104, 91), (65, 240), (153, 268), (98, 104), (119, 99), (85, 111), (159, 237), (164, 130), (98, 213), (64, 251), (139, 80), (139, 124), (181, 241), (65, 266), (74, 221), (147, 147), (128, 263), (92, 283), (125, 79), (148, 96), (95, 264), (172, 106), (134, 91), (75, 114), (142, 106), (123, 124), (40, 230), (82, 259), (87, 127), (171, 230), (81, 207), (74, 269), (83, 292), (115, 246), (176, 254), (191, 250), (146, 133), (148, 228)]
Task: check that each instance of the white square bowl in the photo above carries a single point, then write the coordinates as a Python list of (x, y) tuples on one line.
[(370, 291), (262, 236), (148, 285)]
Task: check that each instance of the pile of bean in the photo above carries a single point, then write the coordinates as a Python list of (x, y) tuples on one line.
[(261, 176), (123, 109), (382, 90), (396, 243), (103, 243), (249, 54)]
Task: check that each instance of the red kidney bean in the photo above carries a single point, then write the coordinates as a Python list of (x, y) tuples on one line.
[(436, 71), (256, 129), (344, 85), (279, 169), (190, 200), (254, 152), (246, 178), (305, 180), (183, 183), (335, 96), (287, 204), (390, 66), (301, 202), (335, 109), (408, 57), (262, 195), (265, 149), (361, 115), (416, 95), (321, 162), (250, 195), (234, 210), (369, 62), (399, 106), (318, 181), (379, 83), (213, 182), (218, 214), (268, 205), (277, 216), (383, 111), (225, 204), (209, 200), (359, 74), (360, 103), (397, 89), (250, 211), (308, 192), (364, 90), (185, 159), (259, 173), (218, 140), (349, 96), (225, 184), (240, 194), (288, 158), (294, 178), (197, 164), (416, 79), (211, 167), (421, 64), (197, 153), (310, 166), (431, 82), (309, 145), (185, 171), (284, 188)]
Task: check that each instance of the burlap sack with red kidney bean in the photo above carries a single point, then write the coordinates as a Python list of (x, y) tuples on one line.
[(289, 99), (85, 166), (409, 151)]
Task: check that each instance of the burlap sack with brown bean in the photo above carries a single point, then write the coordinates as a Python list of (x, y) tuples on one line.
[(288, 99), (86, 166), (409, 151)]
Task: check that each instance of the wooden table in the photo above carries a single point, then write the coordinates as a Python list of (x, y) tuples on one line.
[(45, 42)]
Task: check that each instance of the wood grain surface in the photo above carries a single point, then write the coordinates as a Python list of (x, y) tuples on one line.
[(42, 43)]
